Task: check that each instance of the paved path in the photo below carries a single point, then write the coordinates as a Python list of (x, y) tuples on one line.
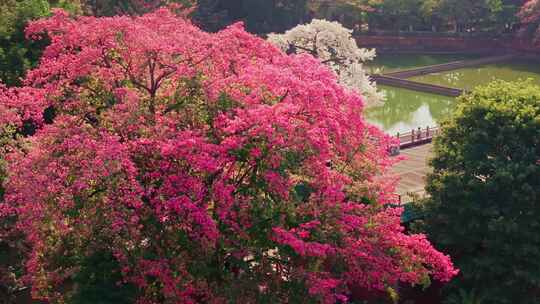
[(412, 171)]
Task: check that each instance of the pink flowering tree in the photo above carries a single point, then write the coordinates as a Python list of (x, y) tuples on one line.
[(202, 168), (21, 112), (530, 19)]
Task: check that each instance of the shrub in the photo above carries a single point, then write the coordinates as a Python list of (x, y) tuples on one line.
[(484, 208)]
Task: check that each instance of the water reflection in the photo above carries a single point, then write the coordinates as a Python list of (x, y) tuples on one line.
[(405, 109), (468, 78)]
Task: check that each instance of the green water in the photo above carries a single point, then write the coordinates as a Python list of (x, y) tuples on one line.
[(405, 109), (387, 63), (468, 78)]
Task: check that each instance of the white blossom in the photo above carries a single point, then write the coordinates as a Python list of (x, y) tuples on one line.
[(334, 46)]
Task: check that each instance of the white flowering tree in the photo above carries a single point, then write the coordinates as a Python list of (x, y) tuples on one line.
[(334, 46)]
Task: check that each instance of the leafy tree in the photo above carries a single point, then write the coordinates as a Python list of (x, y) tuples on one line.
[(494, 16), (484, 207), (128, 7), (399, 14), (259, 16), (200, 168), (506, 19), (17, 54), (474, 16), (350, 13)]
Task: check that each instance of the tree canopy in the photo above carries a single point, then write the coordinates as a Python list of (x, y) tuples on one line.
[(259, 16), (484, 207), (198, 168)]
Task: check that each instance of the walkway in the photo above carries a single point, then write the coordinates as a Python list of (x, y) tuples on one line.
[(450, 66), (417, 86), (417, 137), (412, 171), (398, 79)]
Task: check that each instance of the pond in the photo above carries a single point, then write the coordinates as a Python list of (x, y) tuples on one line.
[(387, 63), (468, 78), (405, 110)]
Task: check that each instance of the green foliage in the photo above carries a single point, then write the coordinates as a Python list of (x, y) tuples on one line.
[(464, 297), (98, 282), (446, 15), (16, 53), (101, 8), (259, 16), (398, 14), (483, 15), (462, 16), (484, 208)]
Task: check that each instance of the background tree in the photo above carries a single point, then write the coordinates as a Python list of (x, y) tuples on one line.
[(495, 16), (259, 16), (530, 19), (506, 19), (334, 46), (460, 16), (128, 7), (399, 14), (17, 54), (484, 207), (350, 13)]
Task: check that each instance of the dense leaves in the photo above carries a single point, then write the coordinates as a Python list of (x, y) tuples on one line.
[(473, 15), (465, 16), (485, 188), (259, 16), (199, 168), (16, 53), (128, 7)]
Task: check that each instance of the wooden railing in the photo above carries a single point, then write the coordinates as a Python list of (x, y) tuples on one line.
[(416, 137)]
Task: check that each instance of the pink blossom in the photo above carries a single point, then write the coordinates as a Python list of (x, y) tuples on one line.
[(181, 151)]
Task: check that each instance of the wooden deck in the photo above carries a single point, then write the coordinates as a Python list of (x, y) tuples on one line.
[(417, 137), (413, 171), (417, 148)]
